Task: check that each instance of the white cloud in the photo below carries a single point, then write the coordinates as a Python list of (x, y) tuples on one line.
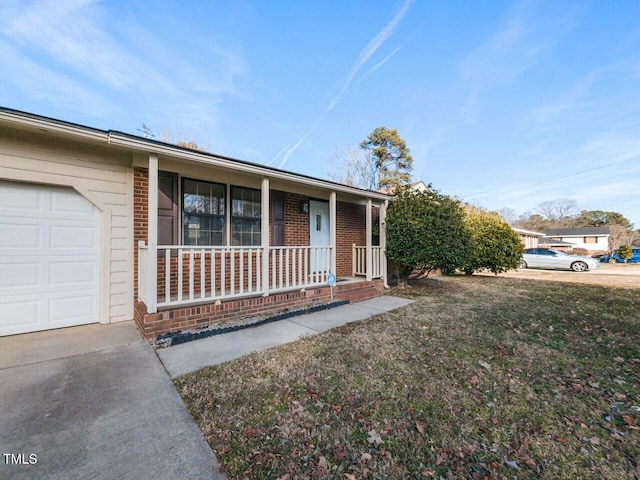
[(95, 58)]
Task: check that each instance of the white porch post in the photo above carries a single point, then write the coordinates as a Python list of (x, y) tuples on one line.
[(333, 234), (264, 233), (369, 242), (152, 236), (383, 240)]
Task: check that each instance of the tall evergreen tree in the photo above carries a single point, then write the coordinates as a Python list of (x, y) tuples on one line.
[(392, 158)]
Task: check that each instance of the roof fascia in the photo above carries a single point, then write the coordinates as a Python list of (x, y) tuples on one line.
[(141, 145)]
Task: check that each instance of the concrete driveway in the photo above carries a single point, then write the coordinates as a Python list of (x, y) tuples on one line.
[(94, 402)]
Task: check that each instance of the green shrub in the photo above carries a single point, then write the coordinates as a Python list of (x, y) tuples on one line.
[(426, 230), (495, 246)]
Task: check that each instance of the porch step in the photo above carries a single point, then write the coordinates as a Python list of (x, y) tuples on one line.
[(359, 294)]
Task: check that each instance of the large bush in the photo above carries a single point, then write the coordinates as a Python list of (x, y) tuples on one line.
[(426, 230), (494, 246)]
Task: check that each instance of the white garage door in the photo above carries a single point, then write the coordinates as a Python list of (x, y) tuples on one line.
[(49, 258)]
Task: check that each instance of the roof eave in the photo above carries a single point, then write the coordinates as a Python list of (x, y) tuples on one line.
[(142, 145), (139, 144)]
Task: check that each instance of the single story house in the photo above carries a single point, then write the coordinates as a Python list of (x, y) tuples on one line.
[(528, 238), (104, 226), (592, 239)]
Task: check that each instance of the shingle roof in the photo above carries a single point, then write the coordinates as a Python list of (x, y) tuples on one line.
[(551, 241), (581, 231)]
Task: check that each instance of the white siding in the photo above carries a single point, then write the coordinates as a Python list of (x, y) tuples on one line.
[(103, 177)]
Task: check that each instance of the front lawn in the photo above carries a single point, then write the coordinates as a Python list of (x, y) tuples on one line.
[(482, 377)]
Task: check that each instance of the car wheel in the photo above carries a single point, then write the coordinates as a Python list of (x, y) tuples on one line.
[(523, 264), (612, 260), (579, 266)]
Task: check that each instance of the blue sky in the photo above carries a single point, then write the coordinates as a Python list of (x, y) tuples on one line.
[(503, 104)]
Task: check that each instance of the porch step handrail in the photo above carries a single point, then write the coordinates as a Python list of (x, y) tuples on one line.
[(359, 261)]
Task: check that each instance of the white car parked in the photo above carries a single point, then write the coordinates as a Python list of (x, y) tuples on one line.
[(548, 258)]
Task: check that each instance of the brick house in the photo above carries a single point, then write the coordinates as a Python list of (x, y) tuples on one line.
[(528, 238), (85, 241)]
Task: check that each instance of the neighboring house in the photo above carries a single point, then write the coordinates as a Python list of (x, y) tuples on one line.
[(418, 186), (592, 239), (548, 242), (528, 238), (218, 239)]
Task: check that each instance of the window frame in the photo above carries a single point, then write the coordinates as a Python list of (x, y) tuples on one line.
[(256, 236), (184, 214)]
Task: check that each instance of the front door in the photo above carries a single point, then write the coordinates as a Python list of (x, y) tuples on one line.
[(319, 234)]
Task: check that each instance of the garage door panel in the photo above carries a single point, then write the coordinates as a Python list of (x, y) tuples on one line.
[(27, 196), (72, 310), (72, 273), (49, 258), (66, 201), (21, 275), (20, 236), (68, 237), (20, 315)]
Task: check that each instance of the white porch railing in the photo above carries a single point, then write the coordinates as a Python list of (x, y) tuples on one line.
[(359, 256), (189, 275), (298, 267)]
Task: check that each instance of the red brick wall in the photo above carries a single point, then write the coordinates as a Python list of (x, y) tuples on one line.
[(140, 217), (297, 223), (350, 228)]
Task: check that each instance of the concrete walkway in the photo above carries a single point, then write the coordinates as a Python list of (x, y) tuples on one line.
[(192, 356), (94, 402)]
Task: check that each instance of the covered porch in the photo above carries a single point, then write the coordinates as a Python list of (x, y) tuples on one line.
[(270, 260)]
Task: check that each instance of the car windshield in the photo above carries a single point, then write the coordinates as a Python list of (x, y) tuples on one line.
[(558, 252)]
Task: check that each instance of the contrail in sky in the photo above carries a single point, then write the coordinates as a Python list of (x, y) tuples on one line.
[(364, 56)]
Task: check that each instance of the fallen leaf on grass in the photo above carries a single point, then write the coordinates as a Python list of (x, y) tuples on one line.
[(512, 464), (484, 365), (618, 359), (374, 437), (420, 426), (350, 476)]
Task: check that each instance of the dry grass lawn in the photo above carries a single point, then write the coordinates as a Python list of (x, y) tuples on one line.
[(481, 377)]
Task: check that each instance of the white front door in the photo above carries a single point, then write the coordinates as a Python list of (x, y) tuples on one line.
[(319, 234), (49, 258)]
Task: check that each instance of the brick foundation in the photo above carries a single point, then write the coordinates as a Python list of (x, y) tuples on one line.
[(198, 316)]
